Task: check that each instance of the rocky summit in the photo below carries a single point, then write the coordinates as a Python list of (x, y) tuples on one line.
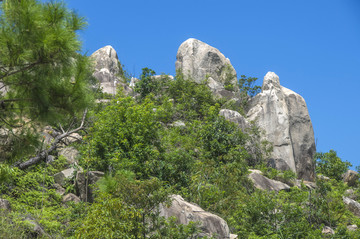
[(88, 151), (284, 117), (281, 113), (108, 70), (199, 62)]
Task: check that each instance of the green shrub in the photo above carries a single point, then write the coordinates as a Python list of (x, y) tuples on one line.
[(329, 164), (125, 135)]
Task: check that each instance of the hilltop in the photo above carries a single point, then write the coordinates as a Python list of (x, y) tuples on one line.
[(204, 153)]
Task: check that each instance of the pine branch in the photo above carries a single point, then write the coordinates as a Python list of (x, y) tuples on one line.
[(23, 68), (9, 124), (43, 154)]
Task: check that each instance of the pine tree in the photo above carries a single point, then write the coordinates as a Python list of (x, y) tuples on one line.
[(43, 76)]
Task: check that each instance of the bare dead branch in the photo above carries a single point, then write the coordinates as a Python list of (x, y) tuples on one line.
[(43, 154), (62, 130)]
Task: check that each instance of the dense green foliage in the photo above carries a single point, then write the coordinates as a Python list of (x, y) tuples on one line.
[(44, 76), (171, 140), (178, 138), (329, 164), (168, 139), (40, 63)]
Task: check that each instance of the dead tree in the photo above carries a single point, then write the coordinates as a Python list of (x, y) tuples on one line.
[(43, 154)]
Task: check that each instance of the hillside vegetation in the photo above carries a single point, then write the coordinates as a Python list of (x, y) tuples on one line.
[(137, 148), (171, 140)]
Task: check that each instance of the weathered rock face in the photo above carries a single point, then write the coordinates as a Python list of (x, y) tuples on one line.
[(70, 198), (235, 117), (108, 70), (60, 177), (284, 117), (266, 184), (70, 154), (185, 212), (59, 189), (352, 205), (350, 193), (301, 134), (198, 60), (106, 59), (352, 227), (351, 177)]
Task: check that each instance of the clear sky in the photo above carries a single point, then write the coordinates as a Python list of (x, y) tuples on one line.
[(312, 45)]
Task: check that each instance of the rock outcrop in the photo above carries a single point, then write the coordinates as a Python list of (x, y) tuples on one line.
[(59, 189), (108, 70), (199, 61), (351, 177), (35, 228), (70, 154), (235, 117), (263, 183), (351, 193), (60, 177), (352, 205), (283, 116), (185, 212), (71, 198), (352, 227), (280, 112)]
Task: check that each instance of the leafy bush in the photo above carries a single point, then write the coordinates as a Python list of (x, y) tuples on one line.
[(125, 135), (329, 164), (8, 229), (149, 83), (191, 100)]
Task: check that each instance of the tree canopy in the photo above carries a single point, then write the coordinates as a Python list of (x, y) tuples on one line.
[(43, 76)]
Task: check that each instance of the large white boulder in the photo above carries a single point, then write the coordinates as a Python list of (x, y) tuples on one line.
[(235, 117), (108, 70), (352, 205), (351, 177), (106, 59), (283, 116), (185, 212), (199, 61), (263, 183)]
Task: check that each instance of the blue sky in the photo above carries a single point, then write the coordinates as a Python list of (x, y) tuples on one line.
[(314, 47)]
